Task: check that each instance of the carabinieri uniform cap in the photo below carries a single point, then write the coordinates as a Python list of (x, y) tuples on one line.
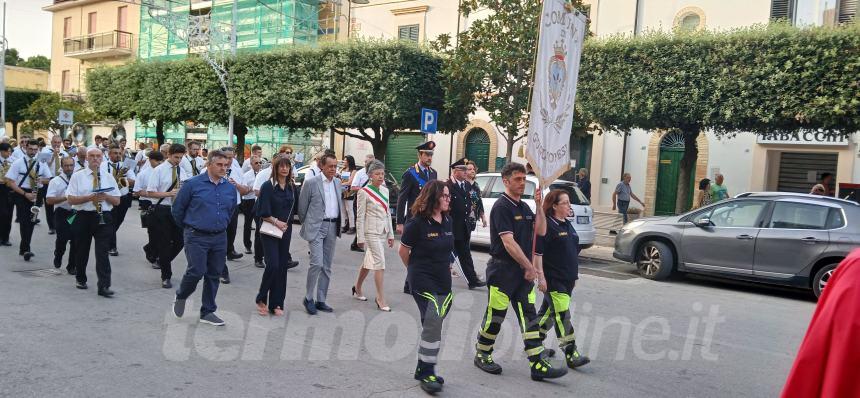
[(460, 164), (426, 147)]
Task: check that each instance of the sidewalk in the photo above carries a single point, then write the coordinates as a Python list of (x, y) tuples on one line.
[(604, 242), (601, 253)]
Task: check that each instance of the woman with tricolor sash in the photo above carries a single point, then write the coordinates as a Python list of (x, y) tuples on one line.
[(373, 231)]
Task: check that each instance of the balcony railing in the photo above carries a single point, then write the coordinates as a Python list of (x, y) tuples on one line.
[(99, 45)]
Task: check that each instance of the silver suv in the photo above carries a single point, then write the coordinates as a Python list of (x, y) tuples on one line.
[(770, 237)]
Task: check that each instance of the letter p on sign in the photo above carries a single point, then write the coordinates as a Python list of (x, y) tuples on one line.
[(429, 117)]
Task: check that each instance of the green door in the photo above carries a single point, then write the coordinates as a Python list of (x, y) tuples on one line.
[(478, 148), (401, 153), (668, 171)]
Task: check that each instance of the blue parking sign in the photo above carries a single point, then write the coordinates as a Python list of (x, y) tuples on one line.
[(429, 118)]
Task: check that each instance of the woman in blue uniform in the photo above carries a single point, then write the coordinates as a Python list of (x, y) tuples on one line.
[(556, 259), (426, 246)]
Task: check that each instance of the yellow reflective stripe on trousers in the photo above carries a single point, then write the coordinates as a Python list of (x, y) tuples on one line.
[(522, 317), (487, 335), (560, 301), (532, 296), (483, 347), (535, 351), (446, 304), (531, 335)]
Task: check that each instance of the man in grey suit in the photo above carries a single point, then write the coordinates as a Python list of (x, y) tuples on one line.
[(319, 213)]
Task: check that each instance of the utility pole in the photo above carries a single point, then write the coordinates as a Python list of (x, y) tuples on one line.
[(4, 44), (235, 22)]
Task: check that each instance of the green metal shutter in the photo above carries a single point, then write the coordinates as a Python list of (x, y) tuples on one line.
[(401, 153), (782, 10), (478, 148), (408, 32)]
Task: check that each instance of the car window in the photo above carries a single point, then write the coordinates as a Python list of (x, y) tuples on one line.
[(498, 188), (790, 215), (530, 190), (737, 214), (575, 195), (835, 219), (482, 182)]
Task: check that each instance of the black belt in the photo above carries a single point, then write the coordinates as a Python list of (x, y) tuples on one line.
[(200, 231), (163, 206), (90, 212), (336, 219)]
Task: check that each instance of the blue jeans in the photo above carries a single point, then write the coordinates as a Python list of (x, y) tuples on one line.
[(206, 256), (622, 208)]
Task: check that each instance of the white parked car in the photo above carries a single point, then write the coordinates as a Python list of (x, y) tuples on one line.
[(492, 187)]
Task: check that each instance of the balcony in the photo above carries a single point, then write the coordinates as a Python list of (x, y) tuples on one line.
[(99, 45)]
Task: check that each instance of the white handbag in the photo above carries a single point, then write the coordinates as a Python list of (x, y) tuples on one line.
[(267, 228)]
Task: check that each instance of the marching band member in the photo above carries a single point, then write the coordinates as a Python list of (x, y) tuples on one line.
[(124, 178), (192, 163), (7, 205), (154, 158), (163, 185), (24, 177), (247, 209), (56, 197), (93, 194), (234, 176), (56, 152)]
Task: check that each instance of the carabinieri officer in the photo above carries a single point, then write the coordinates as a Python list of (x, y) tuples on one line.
[(511, 276), (425, 249), (203, 209), (414, 178), (557, 264)]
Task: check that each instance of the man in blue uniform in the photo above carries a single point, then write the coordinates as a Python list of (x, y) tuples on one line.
[(460, 207), (414, 178)]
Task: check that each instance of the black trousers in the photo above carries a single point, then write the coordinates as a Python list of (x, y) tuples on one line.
[(25, 223), (49, 209), (86, 228), (149, 248), (7, 208), (118, 213), (461, 248), (232, 228), (169, 239), (247, 209), (64, 237), (273, 287)]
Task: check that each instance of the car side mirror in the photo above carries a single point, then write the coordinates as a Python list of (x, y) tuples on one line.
[(703, 223)]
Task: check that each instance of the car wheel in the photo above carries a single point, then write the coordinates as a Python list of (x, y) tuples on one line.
[(821, 278), (655, 260)]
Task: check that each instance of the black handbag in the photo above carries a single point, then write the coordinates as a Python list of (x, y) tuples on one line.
[(147, 214)]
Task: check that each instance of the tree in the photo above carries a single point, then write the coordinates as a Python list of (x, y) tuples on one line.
[(40, 62), (17, 102), (43, 113), (760, 79), (12, 58), (494, 62), (370, 91), (159, 92)]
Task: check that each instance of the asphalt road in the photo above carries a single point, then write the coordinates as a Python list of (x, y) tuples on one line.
[(690, 337)]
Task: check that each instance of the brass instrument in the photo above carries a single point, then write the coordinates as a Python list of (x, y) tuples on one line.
[(34, 187), (117, 134), (97, 183), (119, 174), (79, 134), (4, 169)]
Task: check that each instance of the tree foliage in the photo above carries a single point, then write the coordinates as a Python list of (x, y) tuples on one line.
[(17, 102), (366, 90), (40, 62), (494, 62), (43, 113), (759, 79), (159, 92)]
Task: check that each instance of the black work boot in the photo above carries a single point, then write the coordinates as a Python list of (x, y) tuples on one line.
[(426, 374), (484, 361), (543, 369), (574, 358)]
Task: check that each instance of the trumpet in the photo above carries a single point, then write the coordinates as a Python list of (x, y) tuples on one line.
[(34, 186)]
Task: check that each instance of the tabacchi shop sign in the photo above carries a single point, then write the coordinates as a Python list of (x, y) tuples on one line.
[(803, 138)]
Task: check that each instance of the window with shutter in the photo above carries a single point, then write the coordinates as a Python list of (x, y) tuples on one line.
[(848, 10), (408, 32), (782, 9)]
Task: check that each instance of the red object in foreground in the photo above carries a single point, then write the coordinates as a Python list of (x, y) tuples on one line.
[(828, 362)]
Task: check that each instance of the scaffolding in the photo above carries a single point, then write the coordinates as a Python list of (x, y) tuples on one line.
[(176, 29)]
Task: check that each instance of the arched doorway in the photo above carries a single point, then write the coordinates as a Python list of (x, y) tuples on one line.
[(668, 170), (478, 148)]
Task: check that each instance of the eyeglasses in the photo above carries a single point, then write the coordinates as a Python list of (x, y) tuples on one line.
[(258, 162), (288, 153), (446, 196)]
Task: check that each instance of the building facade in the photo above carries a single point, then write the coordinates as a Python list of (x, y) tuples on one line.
[(87, 34), (20, 78)]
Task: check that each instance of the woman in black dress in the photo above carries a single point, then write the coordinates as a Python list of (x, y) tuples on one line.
[(276, 205), (426, 246), (556, 260)]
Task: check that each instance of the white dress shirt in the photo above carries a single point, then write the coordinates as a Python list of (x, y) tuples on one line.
[(54, 168), (331, 201), (360, 178), (81, 184), (141, 180), (161, 178), (129, 174), (235, 172), (57, 189), (263, 176), (185, 164), (19, 169), (249, 180), (18, 153)]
